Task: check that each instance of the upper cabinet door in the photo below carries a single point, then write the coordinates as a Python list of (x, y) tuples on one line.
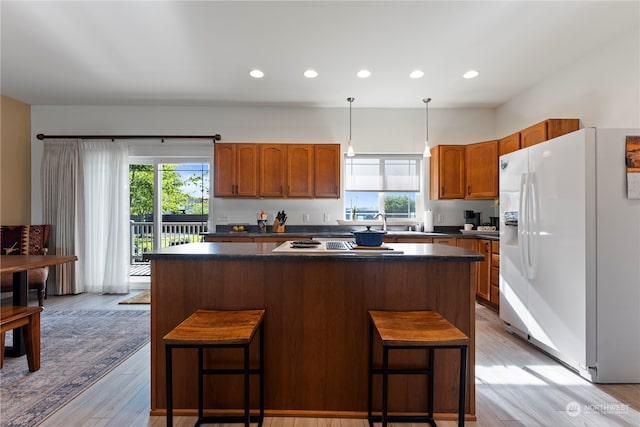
[(447, 172), (533, 135), (482, 170), (300, 170), (509, 144), (247, 170), (273, 170), (327, 170), (548, 129), (236, 168), (225, 171)]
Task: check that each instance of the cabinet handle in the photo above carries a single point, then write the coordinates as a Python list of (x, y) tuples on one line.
[(443, 189), (468, 190)]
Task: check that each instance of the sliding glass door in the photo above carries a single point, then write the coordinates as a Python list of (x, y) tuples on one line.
[(169, 201)]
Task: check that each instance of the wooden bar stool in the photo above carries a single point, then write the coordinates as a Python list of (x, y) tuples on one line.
[(28, 317), (413, 330), (218, 329)]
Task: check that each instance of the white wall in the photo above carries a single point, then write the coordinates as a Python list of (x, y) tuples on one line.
[(602, 89), (373, 131)]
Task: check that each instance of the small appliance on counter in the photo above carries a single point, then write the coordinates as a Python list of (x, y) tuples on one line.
[(262, 221), (471, 217)]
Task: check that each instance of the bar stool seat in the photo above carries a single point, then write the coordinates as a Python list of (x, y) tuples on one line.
[(413, 330), (218, 329)]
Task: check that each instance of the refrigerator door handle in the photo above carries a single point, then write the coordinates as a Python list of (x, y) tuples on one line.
[(533, 225), (523, 224)]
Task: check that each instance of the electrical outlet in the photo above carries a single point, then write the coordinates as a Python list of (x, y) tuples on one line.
[(305, 217), (223, 217), (439, 218), (327, 217)]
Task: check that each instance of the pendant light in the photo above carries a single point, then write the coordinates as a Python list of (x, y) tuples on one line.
[(350, 152), (427, 149)]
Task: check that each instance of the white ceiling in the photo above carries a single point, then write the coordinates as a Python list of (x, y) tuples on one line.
[(199, 53)]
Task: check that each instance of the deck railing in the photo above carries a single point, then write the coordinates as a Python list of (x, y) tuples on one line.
[(173, 233)]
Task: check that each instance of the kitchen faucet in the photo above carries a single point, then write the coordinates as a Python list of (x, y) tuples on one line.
[(384, 220)]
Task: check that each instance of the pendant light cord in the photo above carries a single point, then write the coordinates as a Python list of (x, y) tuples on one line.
[(350, 102), (426, 102)]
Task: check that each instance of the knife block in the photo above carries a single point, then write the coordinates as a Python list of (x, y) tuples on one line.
[(277, 227)]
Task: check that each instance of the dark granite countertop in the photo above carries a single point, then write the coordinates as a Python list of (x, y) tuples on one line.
[(264, 251), (346, 232)]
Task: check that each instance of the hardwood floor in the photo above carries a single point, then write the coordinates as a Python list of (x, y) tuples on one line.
[(516, 386)]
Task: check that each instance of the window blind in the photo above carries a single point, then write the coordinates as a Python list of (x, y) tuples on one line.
[(383, 173)]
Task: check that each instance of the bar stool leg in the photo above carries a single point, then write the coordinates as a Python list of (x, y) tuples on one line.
[(430, 381), (200, 384), (261, 373), (247, 419), (168, 366), (370, 391), (463, 376), (385, 385)]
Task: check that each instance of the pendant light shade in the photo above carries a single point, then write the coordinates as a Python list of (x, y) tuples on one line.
[(427, 149), (350, 152)]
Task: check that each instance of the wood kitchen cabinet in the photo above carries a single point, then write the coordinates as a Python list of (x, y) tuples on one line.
[(481, 170), (236, 170), (277, 170), (495, 273), (273, 170), (326, 170), (446, 174), (484, 270), (509, 144), (286, 170), (451, 241), (300, 170), (548, 129)]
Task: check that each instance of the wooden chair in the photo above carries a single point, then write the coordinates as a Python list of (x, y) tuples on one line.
[(218, 329), (412, 330), (29, 317), (26, 240)]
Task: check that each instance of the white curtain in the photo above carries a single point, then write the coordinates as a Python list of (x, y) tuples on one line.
[(85, 187), (106, 232), (61, 188)]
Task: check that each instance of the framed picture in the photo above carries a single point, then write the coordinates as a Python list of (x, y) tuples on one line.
[(633, 167)]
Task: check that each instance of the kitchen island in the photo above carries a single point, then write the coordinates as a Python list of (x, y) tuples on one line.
[(316, 324)]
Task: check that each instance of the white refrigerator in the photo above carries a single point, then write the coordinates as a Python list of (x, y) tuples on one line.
[(570, 253)]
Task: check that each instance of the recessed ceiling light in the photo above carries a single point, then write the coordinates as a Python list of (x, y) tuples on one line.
[(416, 74), (470, 74), (311, 74), (363, 74), (256, 74)]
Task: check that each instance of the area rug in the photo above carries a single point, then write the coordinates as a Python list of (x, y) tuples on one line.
[(143, 297), (78, 347)]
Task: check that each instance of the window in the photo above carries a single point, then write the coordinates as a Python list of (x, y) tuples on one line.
[(382, 184)]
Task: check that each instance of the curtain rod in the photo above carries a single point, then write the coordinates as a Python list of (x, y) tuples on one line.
[(215, 137)]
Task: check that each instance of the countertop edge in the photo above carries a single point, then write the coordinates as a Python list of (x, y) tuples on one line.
[(264, 251)]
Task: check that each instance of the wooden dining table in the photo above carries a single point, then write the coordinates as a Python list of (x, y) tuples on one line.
[(19, 266)]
